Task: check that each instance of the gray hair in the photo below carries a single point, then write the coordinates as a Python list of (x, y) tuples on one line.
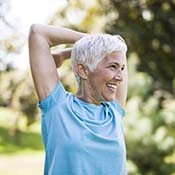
[(91, 49)]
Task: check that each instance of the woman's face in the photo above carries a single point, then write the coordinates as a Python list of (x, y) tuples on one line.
[(102, 83)]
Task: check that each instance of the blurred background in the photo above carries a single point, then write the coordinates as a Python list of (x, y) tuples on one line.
[(148, 26)]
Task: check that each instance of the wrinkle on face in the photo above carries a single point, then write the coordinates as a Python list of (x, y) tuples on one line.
[(99, 85)]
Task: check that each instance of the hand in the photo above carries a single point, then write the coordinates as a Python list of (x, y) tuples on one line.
[(61, 56)]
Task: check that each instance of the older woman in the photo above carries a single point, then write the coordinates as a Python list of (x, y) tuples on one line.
[(82, 132)]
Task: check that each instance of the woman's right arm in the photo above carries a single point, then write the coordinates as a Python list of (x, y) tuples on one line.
[(42, 62)]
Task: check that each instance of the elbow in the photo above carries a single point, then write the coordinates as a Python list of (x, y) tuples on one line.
[(34, 29), (34, 32), (38, 30)]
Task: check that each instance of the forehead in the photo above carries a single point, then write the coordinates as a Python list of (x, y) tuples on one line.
[(114, 57)]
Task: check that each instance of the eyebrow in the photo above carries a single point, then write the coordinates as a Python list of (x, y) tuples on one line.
[(117, 64)]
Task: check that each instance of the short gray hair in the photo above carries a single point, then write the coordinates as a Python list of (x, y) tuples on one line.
[(91, 49)]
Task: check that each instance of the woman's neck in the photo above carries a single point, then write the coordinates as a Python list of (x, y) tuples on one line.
[(84, 93)]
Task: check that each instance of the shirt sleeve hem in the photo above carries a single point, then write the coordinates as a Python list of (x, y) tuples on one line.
[(43, 104)]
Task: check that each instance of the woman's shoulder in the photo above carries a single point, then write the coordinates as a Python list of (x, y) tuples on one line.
[(58, 94)]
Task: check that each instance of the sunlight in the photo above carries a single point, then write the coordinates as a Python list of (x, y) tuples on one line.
[(24, 13)]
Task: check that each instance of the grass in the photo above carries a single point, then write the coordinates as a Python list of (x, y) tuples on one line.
[(20, 164), (21, 154), (22, 142)]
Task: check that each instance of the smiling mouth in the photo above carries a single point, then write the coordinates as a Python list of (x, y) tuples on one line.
[(113, 87)]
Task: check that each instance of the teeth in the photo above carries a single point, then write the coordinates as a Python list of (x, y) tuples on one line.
[(112, 86)]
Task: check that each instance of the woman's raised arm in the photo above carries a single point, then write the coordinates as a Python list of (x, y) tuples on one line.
[(122, 91), (42, 62)]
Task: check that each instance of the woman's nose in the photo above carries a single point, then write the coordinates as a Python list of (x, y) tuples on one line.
[(119, 76)]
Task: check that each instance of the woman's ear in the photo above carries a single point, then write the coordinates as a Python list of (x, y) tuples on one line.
[(82, 71)]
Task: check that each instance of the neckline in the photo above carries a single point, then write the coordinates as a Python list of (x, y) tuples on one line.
[(86, 103)]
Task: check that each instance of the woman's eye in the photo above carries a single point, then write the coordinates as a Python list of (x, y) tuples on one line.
[(113, 66)]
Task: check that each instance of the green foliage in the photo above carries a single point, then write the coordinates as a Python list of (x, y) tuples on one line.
[(24, 141), (19, 96), (148, 27), (149, 125)]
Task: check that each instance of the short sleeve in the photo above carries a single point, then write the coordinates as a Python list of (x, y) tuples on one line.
[(57, 94)]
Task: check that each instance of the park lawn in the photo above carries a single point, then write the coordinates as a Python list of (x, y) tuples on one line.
[(23, 141), (21, 154), (30, 163)]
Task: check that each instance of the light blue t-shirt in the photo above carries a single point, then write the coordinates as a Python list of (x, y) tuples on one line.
[(81, 138)]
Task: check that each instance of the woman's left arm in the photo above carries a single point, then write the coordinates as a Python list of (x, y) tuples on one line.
[(122, 90), (61, 56)]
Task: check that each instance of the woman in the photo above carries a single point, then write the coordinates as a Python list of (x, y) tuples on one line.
[(82, 133)]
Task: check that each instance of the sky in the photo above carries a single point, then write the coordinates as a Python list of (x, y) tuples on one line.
[(23, 13)]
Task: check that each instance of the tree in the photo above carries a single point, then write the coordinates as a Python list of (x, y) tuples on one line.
[(17, 91), (148, 27)]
